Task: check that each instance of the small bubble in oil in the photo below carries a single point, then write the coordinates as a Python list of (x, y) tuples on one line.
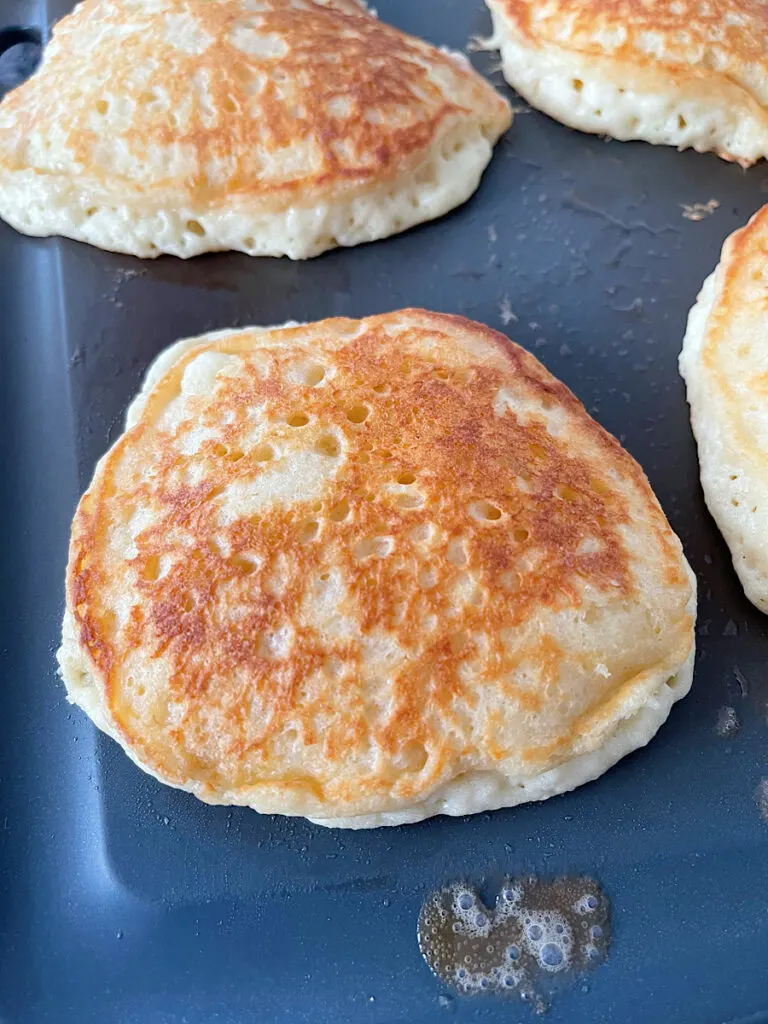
[(551, 955)]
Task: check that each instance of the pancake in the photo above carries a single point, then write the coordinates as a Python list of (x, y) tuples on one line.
[(274, 127), (725, 365), (371, 571), (685, 73)]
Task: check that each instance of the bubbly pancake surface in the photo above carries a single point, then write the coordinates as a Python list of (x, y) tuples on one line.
[(368, 571), (270, 126), (687, 73), (725, 364)]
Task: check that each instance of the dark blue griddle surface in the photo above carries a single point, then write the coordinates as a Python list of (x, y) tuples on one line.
[(124, 902)]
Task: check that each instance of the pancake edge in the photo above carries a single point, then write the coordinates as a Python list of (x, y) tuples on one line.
[(717, 459), (470, 793), (689, 108), (42, 205)]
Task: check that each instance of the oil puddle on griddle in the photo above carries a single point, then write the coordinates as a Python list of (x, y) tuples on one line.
[(538, 937)]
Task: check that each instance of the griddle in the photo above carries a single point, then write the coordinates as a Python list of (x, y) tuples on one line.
[(124, 901)]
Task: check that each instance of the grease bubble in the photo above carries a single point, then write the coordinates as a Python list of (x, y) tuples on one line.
[(551, 955), (533, 936)]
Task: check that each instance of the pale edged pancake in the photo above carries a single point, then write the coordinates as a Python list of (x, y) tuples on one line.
[(685, 73), (369, 571), (274, 127), (725, 365)]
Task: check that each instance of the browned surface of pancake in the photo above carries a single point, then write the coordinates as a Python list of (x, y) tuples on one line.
[(472, 512), (671, 29)]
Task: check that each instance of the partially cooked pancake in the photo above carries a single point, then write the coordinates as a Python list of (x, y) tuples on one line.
[(725, 365), (686, 73), (269, 126), (371, 571)]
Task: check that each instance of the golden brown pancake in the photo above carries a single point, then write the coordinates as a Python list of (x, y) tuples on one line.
[(685, 73), (725, 365), (269, 126), (372, 570)]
